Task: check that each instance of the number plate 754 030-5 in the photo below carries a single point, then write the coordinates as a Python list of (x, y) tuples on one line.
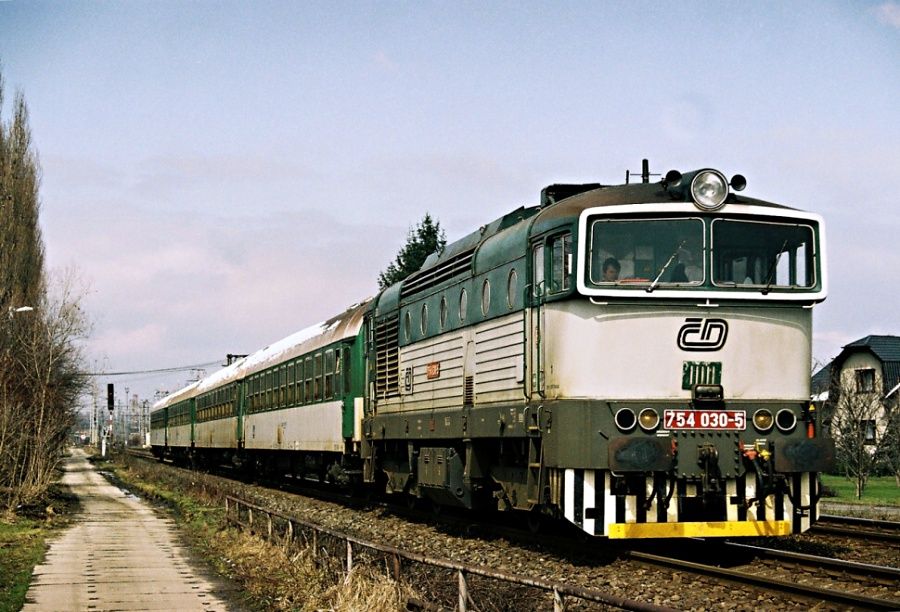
[(705, 419)]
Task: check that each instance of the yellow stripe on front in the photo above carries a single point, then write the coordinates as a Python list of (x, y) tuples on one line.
[(700, 530)]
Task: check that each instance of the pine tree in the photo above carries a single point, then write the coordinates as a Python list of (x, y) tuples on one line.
[(424, 239)]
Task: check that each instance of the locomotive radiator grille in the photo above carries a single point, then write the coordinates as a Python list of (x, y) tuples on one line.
[(589, 503), (387, 359)]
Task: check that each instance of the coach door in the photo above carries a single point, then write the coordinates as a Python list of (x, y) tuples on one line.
[(239, 413)]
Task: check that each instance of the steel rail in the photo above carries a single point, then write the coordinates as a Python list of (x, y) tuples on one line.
[(866, 569), (830, 595), (861, 522), (850, 532)]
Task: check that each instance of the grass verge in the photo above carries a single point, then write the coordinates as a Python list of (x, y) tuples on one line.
[(271, 577), (879, 491), (24, 537)]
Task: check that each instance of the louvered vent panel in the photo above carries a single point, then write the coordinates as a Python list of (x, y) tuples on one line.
[(437, 275), (469, 391), (387, 359)]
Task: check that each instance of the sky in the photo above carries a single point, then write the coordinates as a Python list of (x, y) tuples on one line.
[(220, 175)]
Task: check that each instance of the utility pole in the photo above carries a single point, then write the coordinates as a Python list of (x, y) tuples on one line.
[(124, 418)]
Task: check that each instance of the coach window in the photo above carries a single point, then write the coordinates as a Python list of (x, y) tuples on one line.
[(317, 384), (282, 387), (512, 282), (560, 263), (308, 372), (329, 374), (299, 392), (443, 312), (485, 297), (463, 304), (270, 389), (423, 324), (290, 384), (338, 371)]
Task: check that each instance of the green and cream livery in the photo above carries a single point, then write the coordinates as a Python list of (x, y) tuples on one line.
[(632, 358)]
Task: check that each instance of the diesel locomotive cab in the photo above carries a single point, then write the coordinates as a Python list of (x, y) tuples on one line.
[(699, 336)]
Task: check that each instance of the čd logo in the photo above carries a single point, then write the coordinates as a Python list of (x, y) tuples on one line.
[(699, 334)]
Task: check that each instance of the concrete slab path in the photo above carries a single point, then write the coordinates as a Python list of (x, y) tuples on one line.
[(119, 555)]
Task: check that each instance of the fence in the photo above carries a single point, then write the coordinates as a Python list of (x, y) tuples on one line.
[(279, 526)]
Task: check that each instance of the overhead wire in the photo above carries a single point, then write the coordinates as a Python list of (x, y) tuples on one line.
[(157, 370)]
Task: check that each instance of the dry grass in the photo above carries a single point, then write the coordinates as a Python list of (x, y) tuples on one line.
[(287, 578), (273, 576)]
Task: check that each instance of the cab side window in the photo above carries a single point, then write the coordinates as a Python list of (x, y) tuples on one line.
[(538, 263), (560, 263)]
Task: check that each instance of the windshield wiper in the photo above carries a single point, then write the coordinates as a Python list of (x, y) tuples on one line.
[(665, 267), (770, 277)]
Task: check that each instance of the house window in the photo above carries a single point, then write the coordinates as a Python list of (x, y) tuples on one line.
[(865, 380), (867, 427)]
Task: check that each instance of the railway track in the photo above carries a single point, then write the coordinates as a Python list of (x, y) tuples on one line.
[(859, 528), (839, 567), (742, 576), (833, 581)]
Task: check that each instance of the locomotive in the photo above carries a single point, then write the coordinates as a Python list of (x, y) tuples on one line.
[(634, 359)]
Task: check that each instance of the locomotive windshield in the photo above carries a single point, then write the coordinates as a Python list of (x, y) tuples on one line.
[(752, 256), (647, 252), (762, 255)]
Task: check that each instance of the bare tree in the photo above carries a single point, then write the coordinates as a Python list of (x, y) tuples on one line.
[(39, 392), (890, 448), (858, 427), (41, 376)]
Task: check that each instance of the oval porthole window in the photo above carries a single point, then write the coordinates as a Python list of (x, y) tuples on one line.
[(407, 325), (485, 297), (511, 284), (463, 304), (424, 323), (443, 312)]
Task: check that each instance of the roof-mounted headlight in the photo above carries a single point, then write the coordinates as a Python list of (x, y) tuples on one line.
[(709, 190)]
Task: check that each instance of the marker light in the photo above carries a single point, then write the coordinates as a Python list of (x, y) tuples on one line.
[(625, 419), (786, 420), (648, 419), (709, 190), (763, 419)]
